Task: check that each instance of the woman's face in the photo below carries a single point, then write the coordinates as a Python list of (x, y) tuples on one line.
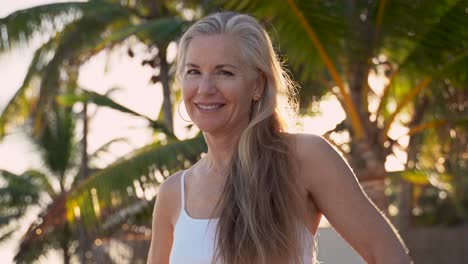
[(217, 84)]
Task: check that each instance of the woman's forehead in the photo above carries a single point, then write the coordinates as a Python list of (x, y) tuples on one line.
[(221, 49)]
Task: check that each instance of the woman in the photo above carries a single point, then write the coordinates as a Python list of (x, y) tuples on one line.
[(257, 196)]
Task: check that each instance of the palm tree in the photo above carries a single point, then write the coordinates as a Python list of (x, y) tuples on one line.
[(80, 30), (439, 156), (80, 34), (62, 168), (330, 23), (337, 45), (38, 187), (335, 49), (53, 228)]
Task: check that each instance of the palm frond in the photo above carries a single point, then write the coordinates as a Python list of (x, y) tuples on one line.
[(423, 177), (105, 147), (6, 235), (17, 110), (18, 193), (44, 234), (105, 101), (326, 18), (417, 23), (42, 181), (18, 190), (21, 26), (47, 60), (129, 179), (161, 31), (441, 42), (78, 37), (461, 59), (56, 142), (349, 105)]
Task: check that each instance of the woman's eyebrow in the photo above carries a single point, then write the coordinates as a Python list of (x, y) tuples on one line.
[(189, 64), (225, 65)]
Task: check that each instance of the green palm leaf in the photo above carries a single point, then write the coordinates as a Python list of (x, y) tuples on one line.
[(80, 40), (81, 37), (102, 100), (18, 193), (130, 179), (6, 235), (160, 31), (42, 181), (49, 232), (105, 147), (440, 50), (414, 33), (76, 39), (56, 142), (20, 26), (18, 108)]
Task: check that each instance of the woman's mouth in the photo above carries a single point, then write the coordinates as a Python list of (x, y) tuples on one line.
[(208, 107)]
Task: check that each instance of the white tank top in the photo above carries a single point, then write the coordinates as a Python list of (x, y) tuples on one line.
[(194, 239)]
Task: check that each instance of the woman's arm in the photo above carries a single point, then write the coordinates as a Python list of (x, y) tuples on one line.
[(342, 201), (162, 227)]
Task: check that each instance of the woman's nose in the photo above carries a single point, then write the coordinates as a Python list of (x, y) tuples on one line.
[(206, 85)]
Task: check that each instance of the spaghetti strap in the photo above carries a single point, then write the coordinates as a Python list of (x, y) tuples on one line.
[(182, 190)]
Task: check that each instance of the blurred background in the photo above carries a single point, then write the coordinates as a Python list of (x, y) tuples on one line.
[(90, 122)]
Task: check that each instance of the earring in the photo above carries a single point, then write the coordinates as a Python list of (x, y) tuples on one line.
[(178, 111), (256, 100)]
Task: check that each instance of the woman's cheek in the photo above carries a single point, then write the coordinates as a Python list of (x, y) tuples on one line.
[(188, 88)]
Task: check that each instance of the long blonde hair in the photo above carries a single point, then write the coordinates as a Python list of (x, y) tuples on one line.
[(261, 208)]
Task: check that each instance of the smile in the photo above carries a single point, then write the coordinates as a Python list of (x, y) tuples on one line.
[(209, 106)]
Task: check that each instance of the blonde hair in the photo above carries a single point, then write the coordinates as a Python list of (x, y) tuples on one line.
[(261, 208)]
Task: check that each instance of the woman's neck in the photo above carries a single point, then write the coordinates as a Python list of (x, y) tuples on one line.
[(220, 151)]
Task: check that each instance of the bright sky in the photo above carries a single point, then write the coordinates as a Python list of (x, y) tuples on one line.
[(137, 94)]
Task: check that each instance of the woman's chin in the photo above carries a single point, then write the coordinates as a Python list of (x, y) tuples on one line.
[(211, 128)]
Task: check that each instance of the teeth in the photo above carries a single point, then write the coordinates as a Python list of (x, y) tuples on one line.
[(208, 107)]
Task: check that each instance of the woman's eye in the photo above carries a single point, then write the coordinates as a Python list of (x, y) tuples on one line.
[(227, 73), (192, 71)]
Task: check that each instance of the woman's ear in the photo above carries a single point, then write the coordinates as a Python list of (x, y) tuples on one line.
[(260, 85)]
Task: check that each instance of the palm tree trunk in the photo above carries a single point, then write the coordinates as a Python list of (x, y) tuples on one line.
[(164, 78), (405, 198), (84, 152), (367, 156), (82, 238), (368, 162), (64, 244)]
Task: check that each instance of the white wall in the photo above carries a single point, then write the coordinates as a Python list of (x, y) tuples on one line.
[(333, 249)]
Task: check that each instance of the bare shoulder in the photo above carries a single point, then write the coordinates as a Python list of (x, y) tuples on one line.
[(171, 185), (168, 197), (164, 213), (321, 166), (309, 147)]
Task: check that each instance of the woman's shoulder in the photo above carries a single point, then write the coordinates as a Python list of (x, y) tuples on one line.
[(306, 145), (169, 193), (312, 152), (315, 153), (171, 185)]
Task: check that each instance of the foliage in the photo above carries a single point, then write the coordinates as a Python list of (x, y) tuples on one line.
[(128, 180), (78, 31), (418, 47), (35, 188)]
